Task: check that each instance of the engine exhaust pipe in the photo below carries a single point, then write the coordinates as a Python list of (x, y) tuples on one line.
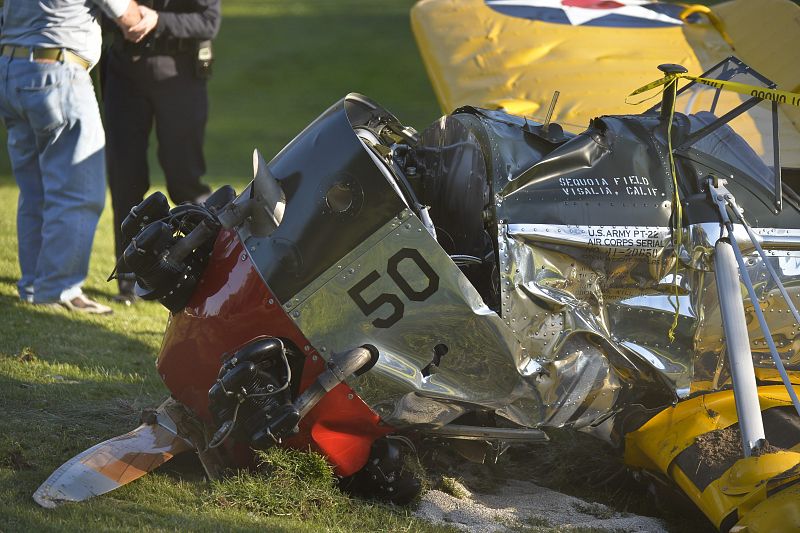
[(339, 367)]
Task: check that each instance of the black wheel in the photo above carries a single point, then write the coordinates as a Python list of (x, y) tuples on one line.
[(386, 476)]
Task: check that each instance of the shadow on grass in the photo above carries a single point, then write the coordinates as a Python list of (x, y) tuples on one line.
[(48, 418), (153, 503), (139, 518), (58, 336), (38, 437), (92, 293)]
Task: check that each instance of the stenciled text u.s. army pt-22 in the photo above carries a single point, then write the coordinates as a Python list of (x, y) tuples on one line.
[(486, 279)]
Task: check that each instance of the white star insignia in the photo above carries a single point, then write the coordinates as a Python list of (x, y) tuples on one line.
[(582, 15)]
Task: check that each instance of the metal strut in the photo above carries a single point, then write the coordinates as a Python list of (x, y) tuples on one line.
[(722, 198), (745, 389)]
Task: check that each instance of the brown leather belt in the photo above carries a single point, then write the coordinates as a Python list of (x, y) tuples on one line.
[(52, 54)]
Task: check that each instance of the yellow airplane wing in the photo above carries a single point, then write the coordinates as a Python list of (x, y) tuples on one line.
[(513, 54)]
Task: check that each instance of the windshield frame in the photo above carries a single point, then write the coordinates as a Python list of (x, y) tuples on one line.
[(731, 67)]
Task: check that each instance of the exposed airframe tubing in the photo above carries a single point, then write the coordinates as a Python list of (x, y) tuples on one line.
[(745, 392), (731, 304)]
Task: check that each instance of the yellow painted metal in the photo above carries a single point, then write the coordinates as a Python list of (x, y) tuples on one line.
[(756, 487), (779, 513), (475, 55), (712, 18)]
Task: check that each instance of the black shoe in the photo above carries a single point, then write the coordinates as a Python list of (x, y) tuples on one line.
[(126, 295), (125, 298)]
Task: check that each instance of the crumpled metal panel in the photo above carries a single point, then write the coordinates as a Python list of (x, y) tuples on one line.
[(570, 326), (575, 378), (711, 370), (571, 381), (484, 363), (554, 297), (560, 356), (556, 282)]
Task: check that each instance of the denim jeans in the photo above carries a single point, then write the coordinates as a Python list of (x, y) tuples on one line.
[(56, 146)]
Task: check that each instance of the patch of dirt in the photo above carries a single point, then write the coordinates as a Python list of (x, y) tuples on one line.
[(724, 446), (525, 506), (15, 460), (767, 448), (26, 355), (595, 490)]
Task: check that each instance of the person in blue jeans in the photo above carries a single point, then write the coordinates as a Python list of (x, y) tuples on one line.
[(56, 139)]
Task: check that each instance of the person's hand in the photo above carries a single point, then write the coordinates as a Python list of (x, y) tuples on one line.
[(148, 23)]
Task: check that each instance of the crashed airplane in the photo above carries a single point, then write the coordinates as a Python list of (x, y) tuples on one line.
[(487, 279)]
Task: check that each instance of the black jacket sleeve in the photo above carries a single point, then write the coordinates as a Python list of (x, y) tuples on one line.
[(202, 24)]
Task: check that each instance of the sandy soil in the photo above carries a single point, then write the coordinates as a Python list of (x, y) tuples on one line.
[(520, 505)]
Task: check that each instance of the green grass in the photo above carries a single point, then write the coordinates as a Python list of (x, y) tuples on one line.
[(70, 381), (301, 485), (453, 487)]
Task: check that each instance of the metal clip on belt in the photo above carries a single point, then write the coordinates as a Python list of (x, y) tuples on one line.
[(53, 54)]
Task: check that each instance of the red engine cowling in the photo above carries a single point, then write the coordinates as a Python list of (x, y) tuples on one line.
[(232, 306)]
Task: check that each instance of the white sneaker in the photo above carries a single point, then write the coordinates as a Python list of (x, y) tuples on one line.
[(82, 304), (27, 294)]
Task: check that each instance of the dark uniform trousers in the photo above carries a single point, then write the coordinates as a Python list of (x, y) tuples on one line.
[(145, 86)]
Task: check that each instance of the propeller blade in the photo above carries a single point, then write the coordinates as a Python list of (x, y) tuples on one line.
[(113, 463)]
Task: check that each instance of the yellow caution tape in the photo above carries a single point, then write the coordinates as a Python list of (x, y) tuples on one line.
[(712, 17), (676, 199), (773, 95)]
